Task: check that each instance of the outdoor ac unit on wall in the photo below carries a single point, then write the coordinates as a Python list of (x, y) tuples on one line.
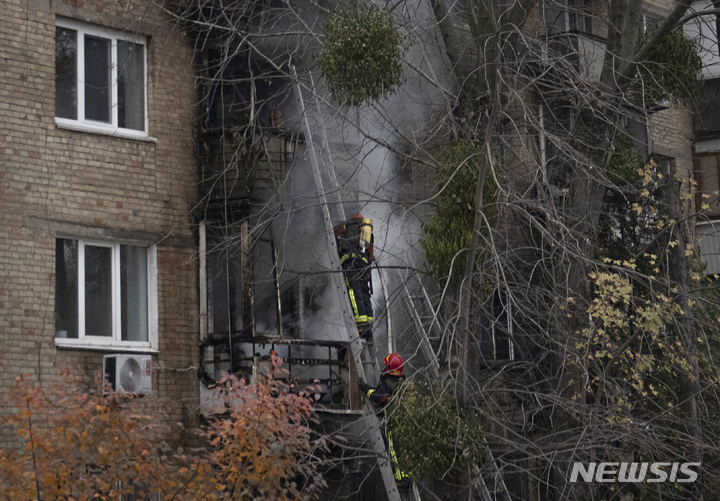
[(129, 373)]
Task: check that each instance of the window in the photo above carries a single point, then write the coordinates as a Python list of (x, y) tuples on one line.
[(105, 295), (563, 16), (650, 21), (707, 176), (99, 79)]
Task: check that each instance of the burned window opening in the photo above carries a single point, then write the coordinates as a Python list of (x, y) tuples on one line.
[(244, 150), (245, 296), (494, 322), (233, 175), (243, 284)]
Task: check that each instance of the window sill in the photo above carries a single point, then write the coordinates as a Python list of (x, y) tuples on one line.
[(102, 345), (119, 133), (711, 220)]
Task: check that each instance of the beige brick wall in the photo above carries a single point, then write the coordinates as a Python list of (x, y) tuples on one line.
[(54, 179), (672, 135)]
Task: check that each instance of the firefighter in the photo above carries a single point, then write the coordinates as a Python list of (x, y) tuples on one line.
[(390, 381), (355, 247)]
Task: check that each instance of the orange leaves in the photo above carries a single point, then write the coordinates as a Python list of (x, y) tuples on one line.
[(263, 444), (74, 444), (82, 446)]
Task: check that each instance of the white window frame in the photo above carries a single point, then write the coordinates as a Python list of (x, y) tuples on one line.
[(114, 343), (566, 14), (650, 19), (81, 123)]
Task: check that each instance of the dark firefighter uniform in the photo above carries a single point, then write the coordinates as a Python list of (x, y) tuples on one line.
[(390, 381), (356, 266), (355, 246)]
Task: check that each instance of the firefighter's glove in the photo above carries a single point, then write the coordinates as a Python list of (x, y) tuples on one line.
[(364, 387)]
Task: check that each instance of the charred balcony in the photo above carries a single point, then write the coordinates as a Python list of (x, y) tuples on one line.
[(243, 148)]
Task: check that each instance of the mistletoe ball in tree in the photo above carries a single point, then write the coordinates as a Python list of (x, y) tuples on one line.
[(361, 57)]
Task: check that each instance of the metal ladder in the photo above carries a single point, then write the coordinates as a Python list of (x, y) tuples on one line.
[(413, 310), (375, 432), (499, 489), (376, 438)]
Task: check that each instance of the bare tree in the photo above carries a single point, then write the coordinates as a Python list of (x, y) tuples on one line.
[(572, 326)]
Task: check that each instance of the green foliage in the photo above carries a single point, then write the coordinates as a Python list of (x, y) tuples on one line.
[(633, 219), (631, 338), (430, 435), (633, 335), (361, 57), (449, 230), (625, 162), (673, 71)]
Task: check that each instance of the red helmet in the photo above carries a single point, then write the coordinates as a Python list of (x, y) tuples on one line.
[(358, 215), (394, 364)]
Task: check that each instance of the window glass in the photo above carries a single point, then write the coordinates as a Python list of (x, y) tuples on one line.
[(105, 295), (65, 73), (565, 15), (97, 79), (709, 183), (100, 79), (133, 292), (66, 294), (131, 85), (98, 291)]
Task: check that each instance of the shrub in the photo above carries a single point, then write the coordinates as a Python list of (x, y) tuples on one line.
[(449, 229), (80, 445), (673, 71), (361, 56), (431, 436), (260, 445)]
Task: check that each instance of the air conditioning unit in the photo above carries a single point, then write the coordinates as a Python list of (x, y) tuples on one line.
[(129, 373)]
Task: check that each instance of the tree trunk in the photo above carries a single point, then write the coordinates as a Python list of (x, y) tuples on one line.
[(680, 278)]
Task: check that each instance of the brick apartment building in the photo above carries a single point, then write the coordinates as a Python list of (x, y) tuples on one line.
[(98, 190), (97, 254)]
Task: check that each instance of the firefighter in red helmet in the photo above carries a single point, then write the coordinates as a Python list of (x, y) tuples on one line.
[(390, 380)]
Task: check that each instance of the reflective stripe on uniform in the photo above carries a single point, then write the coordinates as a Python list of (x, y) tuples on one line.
[(348, 256), (359, 319), (398, 473), (354, 304)]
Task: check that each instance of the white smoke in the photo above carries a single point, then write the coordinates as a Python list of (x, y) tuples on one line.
[(360, 154)]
